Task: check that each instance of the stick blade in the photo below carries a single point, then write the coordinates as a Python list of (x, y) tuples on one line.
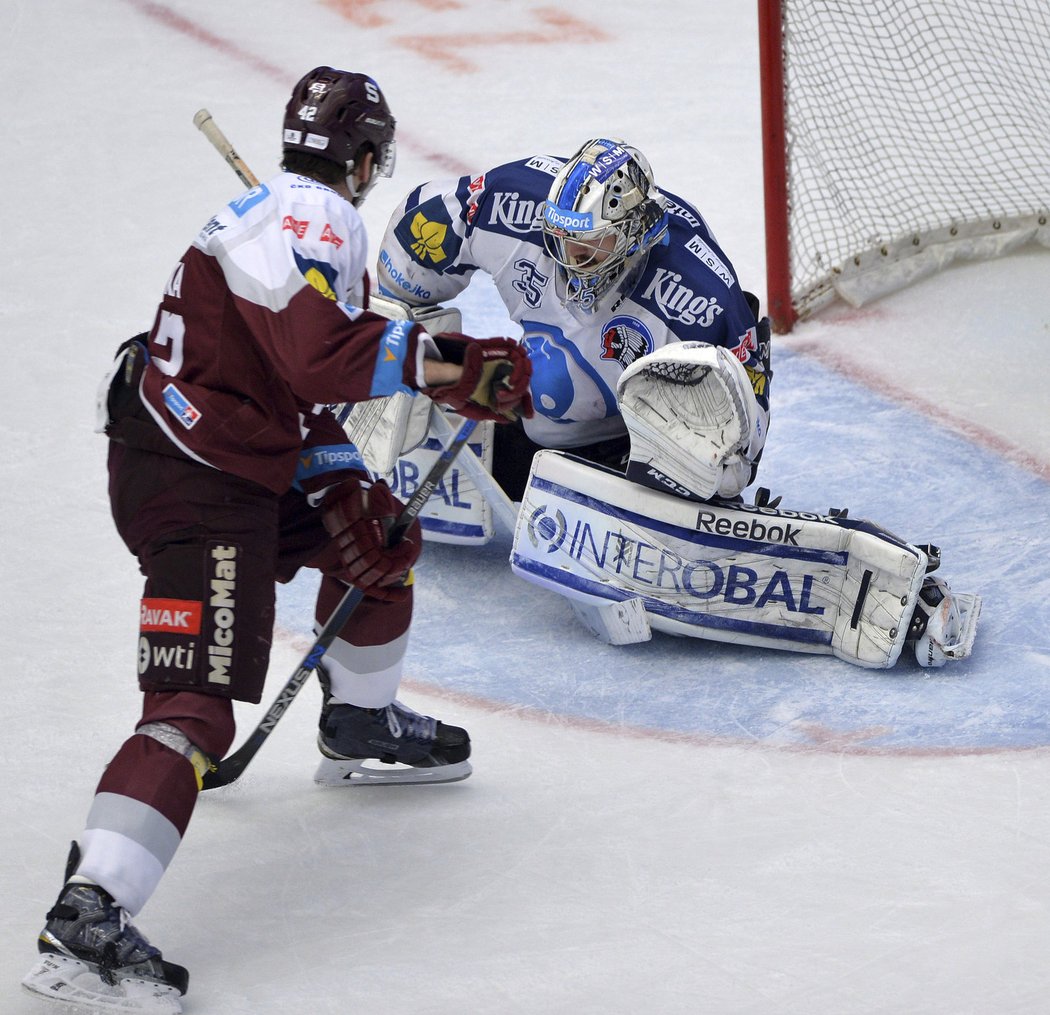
[(230, 768)]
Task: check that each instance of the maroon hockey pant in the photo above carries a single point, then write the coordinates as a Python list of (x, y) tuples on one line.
[(211, 546)]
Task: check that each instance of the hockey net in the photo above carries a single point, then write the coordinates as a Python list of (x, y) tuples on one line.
[(898, 136)]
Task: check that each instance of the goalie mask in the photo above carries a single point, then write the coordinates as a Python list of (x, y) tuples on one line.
[(693, 420), (339, 116), (602, 215)]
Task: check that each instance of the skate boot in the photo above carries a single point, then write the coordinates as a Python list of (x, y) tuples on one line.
[(944, 624), (90, 955), (388, 745)]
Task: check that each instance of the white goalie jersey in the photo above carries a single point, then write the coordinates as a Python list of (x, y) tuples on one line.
[(686, 290)]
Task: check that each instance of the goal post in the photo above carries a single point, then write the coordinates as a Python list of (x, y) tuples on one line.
[(898, 136), (774, 157)]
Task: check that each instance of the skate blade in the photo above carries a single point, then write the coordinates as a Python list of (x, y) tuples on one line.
[(369, 772), (69, 981)]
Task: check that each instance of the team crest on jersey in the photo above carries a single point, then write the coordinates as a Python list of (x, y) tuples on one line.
[(426, 233), (626, 339)]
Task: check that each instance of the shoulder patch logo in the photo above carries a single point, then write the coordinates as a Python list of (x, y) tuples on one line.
[(297, 226), (429, 239), (426, 233), (319, 282), (320, 274), (706, 256), (545, 164), (328, 235), (248, 200)]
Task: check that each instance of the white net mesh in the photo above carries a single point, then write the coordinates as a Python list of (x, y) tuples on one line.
[(913, 127)]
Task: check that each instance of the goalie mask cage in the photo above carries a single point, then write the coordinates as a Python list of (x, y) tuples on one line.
[(898, 135)]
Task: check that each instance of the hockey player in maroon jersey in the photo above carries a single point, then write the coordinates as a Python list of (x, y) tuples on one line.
[(228, 473)]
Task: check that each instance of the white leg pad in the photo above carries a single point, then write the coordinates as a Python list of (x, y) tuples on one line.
[(621, 622), (458, 511), (793, 580), (384, 428)]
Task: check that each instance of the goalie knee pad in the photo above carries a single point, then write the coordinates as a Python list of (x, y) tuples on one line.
[(694, 422), (435, 318), (386, 428), (400, 438)]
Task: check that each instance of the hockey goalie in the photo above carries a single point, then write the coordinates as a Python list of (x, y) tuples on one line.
[(650, 381)]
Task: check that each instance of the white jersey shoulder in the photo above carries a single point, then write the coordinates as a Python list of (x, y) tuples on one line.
[(286, 229)]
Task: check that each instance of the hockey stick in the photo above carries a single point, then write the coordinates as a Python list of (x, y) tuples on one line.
[(502, 506), (210, 129), (233, 766)]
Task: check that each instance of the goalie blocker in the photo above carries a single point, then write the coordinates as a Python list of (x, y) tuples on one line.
[(727, 571)]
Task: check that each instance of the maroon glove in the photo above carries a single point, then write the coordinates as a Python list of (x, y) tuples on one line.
[(358, 516), (495, 379)]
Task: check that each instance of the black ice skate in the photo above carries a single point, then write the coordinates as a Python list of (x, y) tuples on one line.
[(93, 958), (388, 745)]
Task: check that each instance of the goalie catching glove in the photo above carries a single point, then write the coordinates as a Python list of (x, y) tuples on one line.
[(495, 380), (358, 515), (696, 427)]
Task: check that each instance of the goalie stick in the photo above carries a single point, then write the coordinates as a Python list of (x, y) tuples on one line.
[(233, 766)]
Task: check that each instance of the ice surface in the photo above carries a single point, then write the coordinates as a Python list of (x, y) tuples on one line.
[(670, 827)]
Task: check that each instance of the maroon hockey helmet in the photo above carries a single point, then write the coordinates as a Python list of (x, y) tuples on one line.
[(337, 115)]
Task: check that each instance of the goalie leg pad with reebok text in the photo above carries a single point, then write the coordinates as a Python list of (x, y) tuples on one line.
[(793, 580)]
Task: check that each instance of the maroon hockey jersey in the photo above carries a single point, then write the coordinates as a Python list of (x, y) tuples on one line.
[(261, 324)]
